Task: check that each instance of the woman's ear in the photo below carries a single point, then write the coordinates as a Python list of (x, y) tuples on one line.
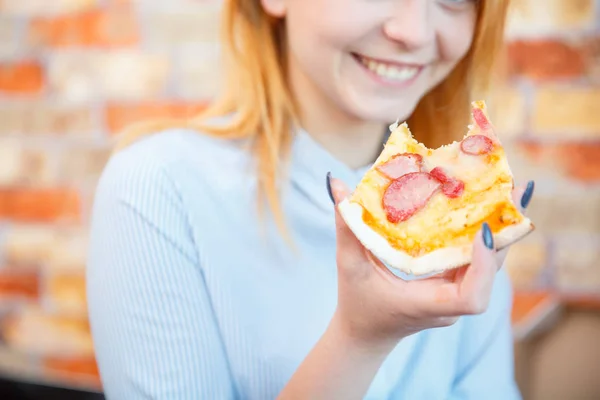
[(275, 8)]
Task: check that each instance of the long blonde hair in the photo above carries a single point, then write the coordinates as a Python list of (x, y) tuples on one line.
[(258, 96)]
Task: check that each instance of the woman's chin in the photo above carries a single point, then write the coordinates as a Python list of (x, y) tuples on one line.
[(373, 104), (369, 107)]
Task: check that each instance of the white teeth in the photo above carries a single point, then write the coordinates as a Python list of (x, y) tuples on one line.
[(390, 71)]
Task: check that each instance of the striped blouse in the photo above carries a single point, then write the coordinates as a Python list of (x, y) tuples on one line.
[(194, 295)]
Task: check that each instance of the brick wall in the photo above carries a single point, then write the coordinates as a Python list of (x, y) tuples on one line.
[(73, 72), (550, 116)]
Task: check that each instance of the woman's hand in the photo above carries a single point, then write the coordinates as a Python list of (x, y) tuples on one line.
[(376, 309)]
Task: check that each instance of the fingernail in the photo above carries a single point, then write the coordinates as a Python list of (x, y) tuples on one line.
[(488, 239), (527, 194), (329, 187)]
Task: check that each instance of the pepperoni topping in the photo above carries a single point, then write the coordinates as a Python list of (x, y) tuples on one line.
[(440, 174), (408, 194), (401, 164), (481, 120), (477, 145), (451, 187)]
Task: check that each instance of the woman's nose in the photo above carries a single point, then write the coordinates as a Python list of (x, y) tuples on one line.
[(411, 24)]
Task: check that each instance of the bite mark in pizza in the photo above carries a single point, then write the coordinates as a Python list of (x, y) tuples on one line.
[(418, 209)]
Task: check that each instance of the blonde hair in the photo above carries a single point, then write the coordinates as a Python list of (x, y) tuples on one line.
[(259, 99)]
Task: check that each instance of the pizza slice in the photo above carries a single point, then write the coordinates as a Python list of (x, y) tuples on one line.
[(418, 209)]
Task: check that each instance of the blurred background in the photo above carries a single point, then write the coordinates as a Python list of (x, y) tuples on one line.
[(73, 73)]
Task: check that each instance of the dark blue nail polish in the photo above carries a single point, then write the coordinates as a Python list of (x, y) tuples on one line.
[(527, 194), (488, 239), (329, 187)]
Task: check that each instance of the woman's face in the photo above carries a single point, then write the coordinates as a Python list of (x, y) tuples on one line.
[(375, 59)]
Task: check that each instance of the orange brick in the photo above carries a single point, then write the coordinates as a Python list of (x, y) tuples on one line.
[(592, 52), (525, 303), (546, 59), (120, 116), (567, 112), (39, 205), (112, 27), (25, 77), (580, 161), (77, 369), (17, 283), (67, 293)]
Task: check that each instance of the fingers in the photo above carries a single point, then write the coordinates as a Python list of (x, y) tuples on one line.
[(350, 252), (522, 195), (476, 286), (336, 193), (469, 290)]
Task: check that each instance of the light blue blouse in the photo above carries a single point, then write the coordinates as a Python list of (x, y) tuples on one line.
[(192, 297)]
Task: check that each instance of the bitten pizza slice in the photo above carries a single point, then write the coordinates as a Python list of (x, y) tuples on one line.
[(418, 209)]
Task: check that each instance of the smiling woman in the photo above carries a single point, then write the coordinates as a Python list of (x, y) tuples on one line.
[(193, 294), (412, 52)]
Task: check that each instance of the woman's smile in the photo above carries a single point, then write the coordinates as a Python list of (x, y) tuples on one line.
[(389, 73)]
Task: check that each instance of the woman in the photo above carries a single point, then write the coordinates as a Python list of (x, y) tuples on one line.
[(219, 268)]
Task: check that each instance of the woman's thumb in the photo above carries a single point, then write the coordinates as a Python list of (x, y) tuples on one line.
[(349, 248)]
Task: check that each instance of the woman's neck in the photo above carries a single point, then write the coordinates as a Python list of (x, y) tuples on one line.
[(354, 142)]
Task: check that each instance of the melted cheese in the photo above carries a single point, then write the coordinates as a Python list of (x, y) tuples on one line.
[(443, 221)]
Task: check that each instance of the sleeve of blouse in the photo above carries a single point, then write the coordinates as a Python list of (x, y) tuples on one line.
[(486, 363), (153, 327)]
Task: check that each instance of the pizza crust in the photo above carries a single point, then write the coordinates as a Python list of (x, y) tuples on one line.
[(436, 261)]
